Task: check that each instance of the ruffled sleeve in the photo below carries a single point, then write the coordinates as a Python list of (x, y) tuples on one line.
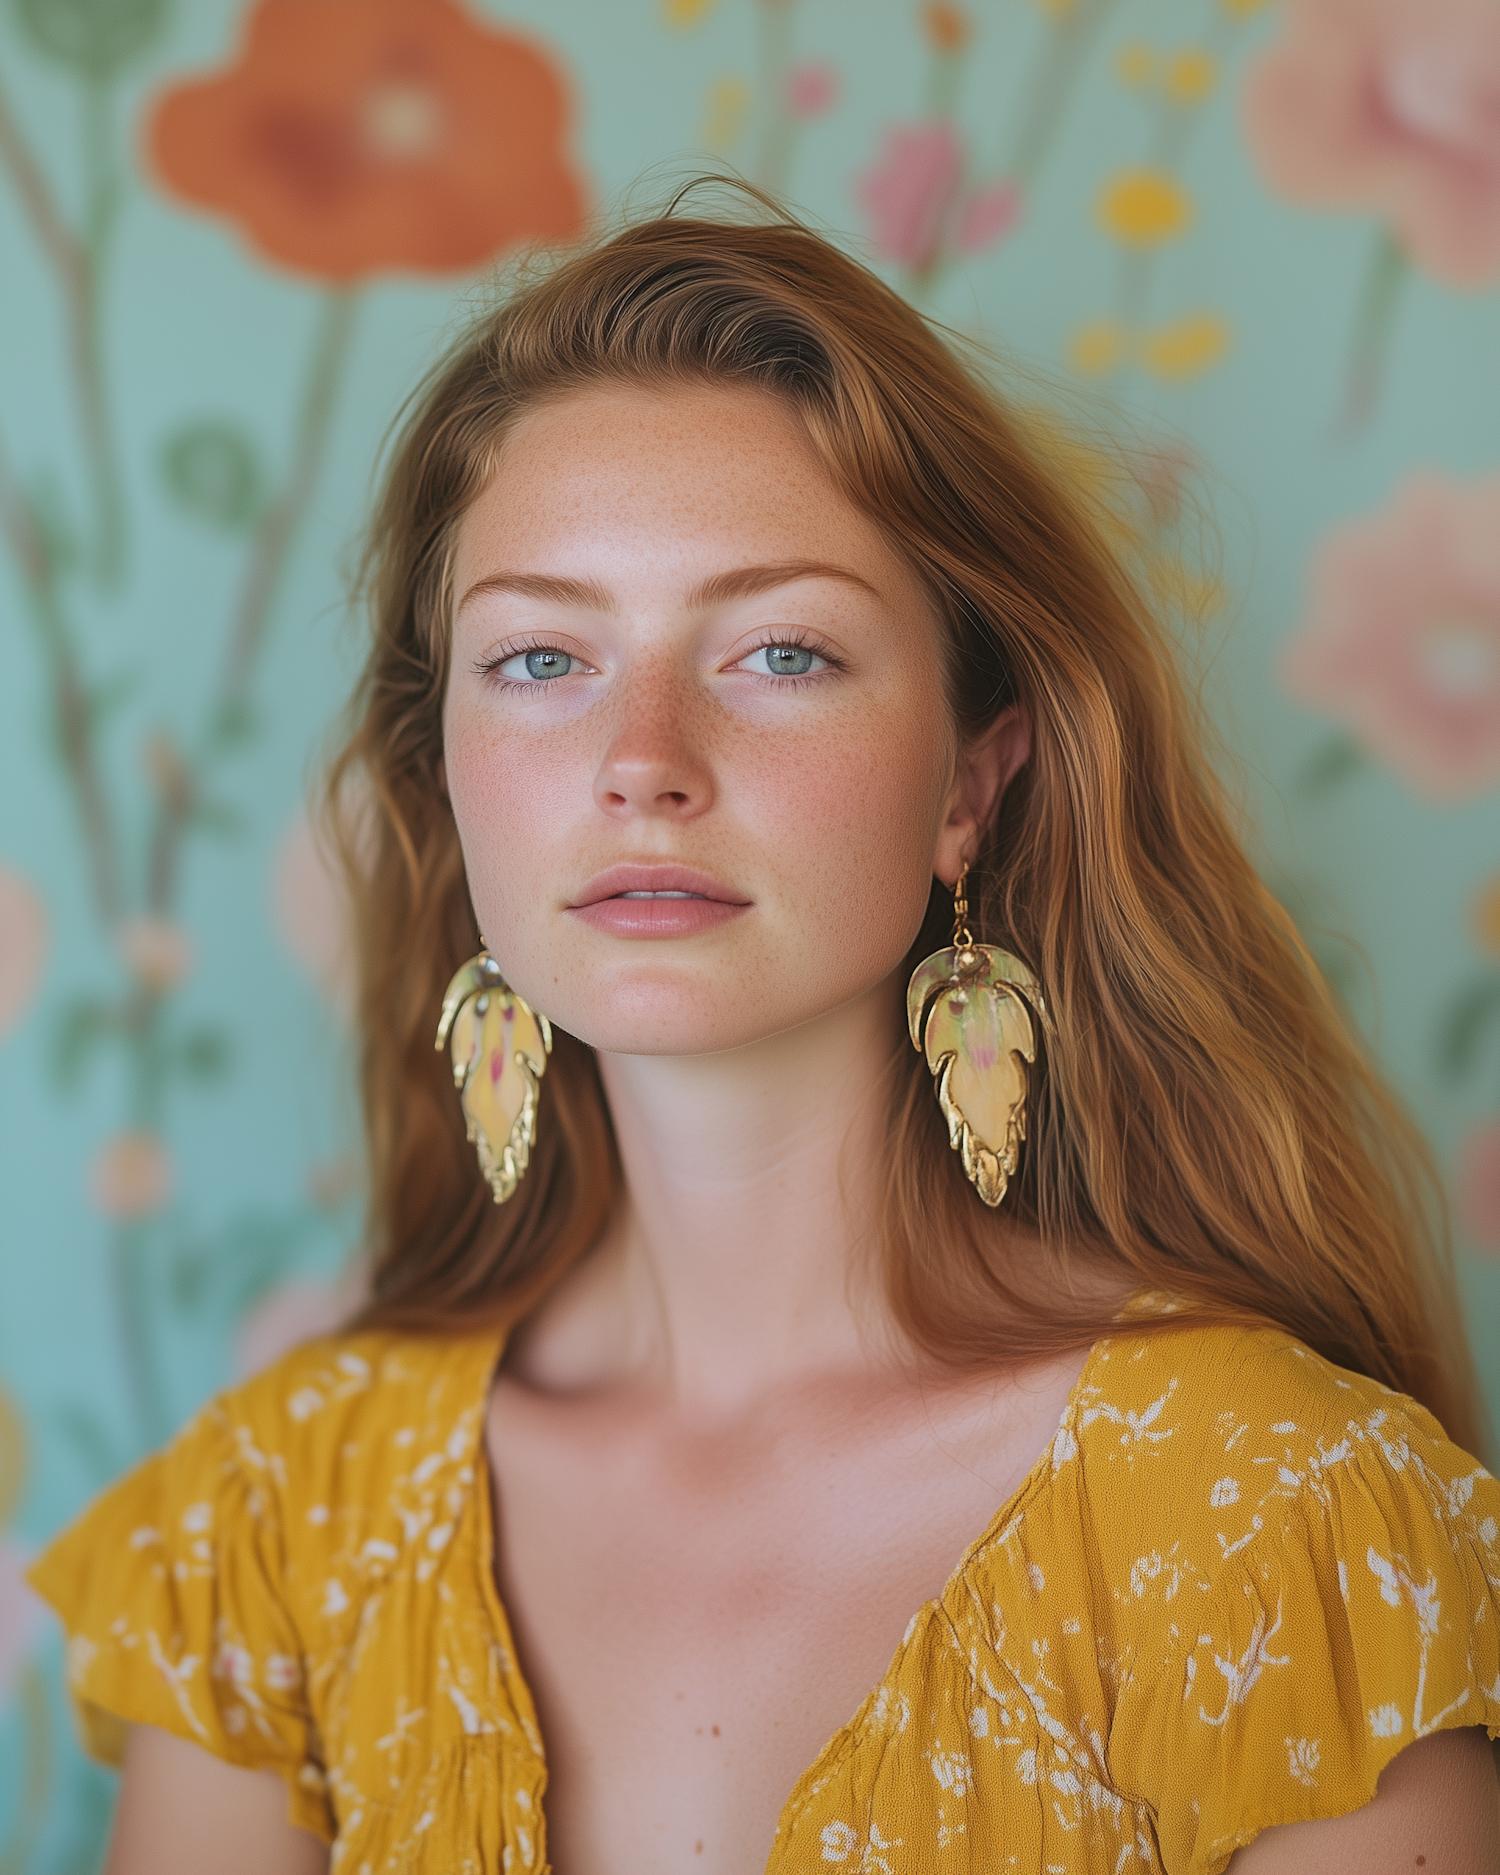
[(168, 1586), (1360, 1611)]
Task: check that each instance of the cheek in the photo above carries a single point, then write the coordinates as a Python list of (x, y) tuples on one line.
[(510, 795), (857, 811)]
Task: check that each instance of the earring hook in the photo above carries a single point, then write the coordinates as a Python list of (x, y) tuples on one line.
[(963, 939)]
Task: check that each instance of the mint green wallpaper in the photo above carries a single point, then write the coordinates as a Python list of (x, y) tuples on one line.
[(230, 236)]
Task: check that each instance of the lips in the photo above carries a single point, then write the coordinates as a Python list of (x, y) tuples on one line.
[(655, 901), (644, 883)]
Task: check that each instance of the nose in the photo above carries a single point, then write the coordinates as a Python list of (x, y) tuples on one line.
[(655, 766)]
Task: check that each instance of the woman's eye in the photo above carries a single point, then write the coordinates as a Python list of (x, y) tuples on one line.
[(785, 661), (536, 666)]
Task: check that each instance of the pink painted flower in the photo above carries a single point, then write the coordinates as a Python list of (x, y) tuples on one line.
[(910, 193), (22, 1614), (1401, 639), (157, 951), (1390, 107), (916, 204), (811, 90), (132, 1177), (990, 212), (1479, 1185), (23, 945), (311, 910)]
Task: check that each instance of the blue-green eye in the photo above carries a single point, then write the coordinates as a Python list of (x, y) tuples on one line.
[(785, 660), (536, 666)]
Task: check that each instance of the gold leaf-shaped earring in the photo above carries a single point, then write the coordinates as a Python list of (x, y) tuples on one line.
[(969, 1010), (500, 1050)]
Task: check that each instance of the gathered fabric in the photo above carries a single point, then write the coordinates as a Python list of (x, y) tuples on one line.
[(1235, 1585)]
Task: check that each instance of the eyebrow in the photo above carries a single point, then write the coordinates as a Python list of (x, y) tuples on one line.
[(741, 582)]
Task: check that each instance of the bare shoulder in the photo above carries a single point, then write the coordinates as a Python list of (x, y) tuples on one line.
[(182, 1811), (1437, 1805)]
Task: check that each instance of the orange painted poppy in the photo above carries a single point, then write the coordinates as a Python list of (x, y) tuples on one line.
[(355, 137)]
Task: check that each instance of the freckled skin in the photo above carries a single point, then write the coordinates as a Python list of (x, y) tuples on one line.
[(820, 802), (722, 1486), (719, 1500)]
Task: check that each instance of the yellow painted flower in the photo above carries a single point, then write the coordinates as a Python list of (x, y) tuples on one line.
[(1097, 347), (1242, 9), (1144, 207), (1186, 347), (1484, 918), (724, 113), (1135, 64), (685, 13), (947, 27), (1191, 75)]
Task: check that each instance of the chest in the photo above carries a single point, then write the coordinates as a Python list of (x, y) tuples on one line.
[(698, 1613)]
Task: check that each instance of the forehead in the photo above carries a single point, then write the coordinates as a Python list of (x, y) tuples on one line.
[(689, 475)]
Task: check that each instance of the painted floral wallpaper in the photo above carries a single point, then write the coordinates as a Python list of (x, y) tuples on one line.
[(1263, 236)]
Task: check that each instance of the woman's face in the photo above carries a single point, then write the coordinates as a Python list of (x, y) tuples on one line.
[(684, 664)]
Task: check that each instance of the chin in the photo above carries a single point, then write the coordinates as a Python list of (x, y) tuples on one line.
[(654, 1024), (629, 1015)]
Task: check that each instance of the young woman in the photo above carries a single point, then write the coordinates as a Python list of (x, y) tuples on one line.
[(765, 1482)]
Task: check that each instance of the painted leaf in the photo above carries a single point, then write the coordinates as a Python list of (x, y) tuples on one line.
[(212, 470), (95, 37)]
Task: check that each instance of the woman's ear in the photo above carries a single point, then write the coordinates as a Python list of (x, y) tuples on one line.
[(986, 768)]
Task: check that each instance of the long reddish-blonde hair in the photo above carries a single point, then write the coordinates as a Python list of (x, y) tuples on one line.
[(1201, 1123)]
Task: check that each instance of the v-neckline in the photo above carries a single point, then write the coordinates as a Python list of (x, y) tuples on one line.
[(1037, 1474)]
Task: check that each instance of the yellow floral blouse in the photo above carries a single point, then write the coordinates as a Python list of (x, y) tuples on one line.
[(1237, 1582)]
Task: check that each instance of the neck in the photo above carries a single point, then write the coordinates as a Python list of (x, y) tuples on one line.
[(745, 1253)]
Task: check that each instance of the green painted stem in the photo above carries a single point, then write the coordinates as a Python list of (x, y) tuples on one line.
[(149, 1066), (77, 264), (129, 1264), (37, 1773), (278, 524), (86, 321), (1370, 342), (945, 76), (268, 556), (131, 1247), (1069, 41), (78, 261), (72, 718), (773, 157)]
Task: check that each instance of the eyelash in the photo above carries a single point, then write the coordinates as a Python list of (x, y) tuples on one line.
[(794, 639), (490, 667)]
